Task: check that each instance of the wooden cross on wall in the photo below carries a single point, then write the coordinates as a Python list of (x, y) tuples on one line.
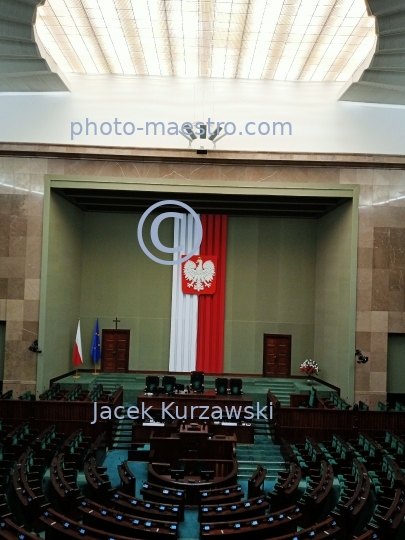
[(116, 322)]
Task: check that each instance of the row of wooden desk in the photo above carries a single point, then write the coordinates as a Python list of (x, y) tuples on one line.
[(295, 423), (65, 415)]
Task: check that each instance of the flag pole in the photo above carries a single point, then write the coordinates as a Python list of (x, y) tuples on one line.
[(76, 376), (95, 348)]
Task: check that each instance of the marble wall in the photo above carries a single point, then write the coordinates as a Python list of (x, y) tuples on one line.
[(381, 258), (21, 209)]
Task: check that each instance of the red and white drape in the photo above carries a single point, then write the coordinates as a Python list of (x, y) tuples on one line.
[(197, 322), (183, 330)]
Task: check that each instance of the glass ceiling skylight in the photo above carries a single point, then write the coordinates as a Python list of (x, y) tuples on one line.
[(293, 40)]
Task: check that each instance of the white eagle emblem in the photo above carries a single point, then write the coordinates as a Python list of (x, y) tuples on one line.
[(199, 275)]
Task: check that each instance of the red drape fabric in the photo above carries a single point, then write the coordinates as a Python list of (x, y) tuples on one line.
[(211, 308)]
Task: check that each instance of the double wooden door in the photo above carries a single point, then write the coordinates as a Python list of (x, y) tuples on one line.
[(276, 355), (115, 351)]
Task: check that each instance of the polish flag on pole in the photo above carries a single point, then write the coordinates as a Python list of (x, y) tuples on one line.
[(77, 351)]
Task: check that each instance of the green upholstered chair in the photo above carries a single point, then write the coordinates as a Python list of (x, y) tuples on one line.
[(197, 381), (151, 384), (221, 386), (236, 387), (168, 383)]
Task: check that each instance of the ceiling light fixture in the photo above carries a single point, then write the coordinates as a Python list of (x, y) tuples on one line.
[(191, 131), (249, 39)]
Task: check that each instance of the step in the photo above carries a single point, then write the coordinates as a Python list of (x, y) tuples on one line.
[(282, 386), (249, 471), (270, 468), (264, 463), (259, 456)]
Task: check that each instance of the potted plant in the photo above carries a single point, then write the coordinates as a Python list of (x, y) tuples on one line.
[(310, 368)]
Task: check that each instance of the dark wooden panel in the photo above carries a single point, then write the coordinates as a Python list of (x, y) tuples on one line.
[(67, 416), (276, 355), (115, 351), (295, 424), (108, 351), (122, 351)]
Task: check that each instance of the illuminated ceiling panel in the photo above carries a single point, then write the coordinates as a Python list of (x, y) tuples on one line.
[(294, 40)]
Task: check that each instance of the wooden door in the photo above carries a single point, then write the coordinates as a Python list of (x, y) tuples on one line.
[(276, 355), (115, 351)]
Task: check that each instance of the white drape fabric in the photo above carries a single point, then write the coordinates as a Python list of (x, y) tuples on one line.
[(184, 316)]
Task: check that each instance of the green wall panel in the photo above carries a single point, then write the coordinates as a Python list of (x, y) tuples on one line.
[(120, 280), (270, 288), (334, 331), (63, 287), (396, 364)]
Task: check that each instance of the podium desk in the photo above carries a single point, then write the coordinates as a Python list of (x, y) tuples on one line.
[(142, 431), (180, 404)]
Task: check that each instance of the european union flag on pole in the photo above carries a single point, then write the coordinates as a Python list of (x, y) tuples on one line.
[(95, 346)]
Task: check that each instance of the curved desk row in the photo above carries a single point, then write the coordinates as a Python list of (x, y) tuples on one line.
[(225, 474)]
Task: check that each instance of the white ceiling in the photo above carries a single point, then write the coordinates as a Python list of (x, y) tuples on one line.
[(307, 40)]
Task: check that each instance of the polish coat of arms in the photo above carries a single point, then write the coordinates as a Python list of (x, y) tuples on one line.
[(199, 275)]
